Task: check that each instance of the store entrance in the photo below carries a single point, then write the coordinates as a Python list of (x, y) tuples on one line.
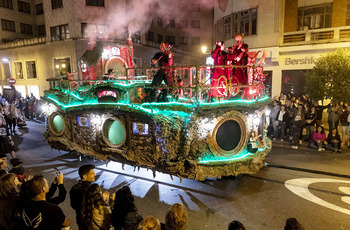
[(293, 81)]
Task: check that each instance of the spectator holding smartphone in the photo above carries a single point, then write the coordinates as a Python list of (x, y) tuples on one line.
[(39, 214), (62, 192)]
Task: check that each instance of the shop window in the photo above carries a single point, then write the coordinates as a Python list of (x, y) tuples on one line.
[(315, 17), (196, 40), (6, 4), (196, 24), (39, 9), (41, 30), (245, 22), (195, 7), (100, 3), (55, 4), (31, 69), (21, 89), (61, 66), (26, 28), (170, 40), (24, 7), (293, 82), (59, 32), (18, 74), (150, 36), (183, 24), (34, 89), (183, 40), (8, 25)]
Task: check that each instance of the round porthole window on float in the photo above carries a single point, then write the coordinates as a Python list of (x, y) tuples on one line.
[(114, 132), (56, 124), (230, 136)]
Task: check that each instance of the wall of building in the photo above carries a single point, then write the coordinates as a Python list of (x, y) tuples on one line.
[(289, 60), (43, 55), (269, 13), (18, 17)]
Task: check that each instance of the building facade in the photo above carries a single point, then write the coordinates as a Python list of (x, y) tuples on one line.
[(41, 39), (293, 32)]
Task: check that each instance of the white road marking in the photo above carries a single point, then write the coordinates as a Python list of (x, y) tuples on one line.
[(301, 188)]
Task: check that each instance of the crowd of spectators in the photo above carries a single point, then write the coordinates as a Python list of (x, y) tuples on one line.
[(298, 119), (31, 204)]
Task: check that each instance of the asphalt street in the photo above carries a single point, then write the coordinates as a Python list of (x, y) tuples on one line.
[(312, 186)]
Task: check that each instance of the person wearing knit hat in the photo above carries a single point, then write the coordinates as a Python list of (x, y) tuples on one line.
[(17, 169)]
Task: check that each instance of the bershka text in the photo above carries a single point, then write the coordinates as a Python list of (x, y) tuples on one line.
[(300, 61)]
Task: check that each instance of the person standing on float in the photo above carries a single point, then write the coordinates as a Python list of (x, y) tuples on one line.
[(163, 59), (241, 59), (219, 56)]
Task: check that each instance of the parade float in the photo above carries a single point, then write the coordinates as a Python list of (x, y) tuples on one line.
[(187, 136)]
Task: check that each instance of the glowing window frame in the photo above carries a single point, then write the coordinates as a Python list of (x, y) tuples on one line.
[(51, 125), (105, 138), (242, 144)]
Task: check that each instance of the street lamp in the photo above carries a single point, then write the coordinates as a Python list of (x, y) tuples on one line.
[(204, 49)]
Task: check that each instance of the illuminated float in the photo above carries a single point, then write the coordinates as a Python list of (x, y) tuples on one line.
[(188, 136)]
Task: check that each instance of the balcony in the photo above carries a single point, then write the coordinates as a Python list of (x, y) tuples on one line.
[(318, 36), (24, 42)]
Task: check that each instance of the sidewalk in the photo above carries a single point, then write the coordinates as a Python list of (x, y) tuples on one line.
[(305, 158)]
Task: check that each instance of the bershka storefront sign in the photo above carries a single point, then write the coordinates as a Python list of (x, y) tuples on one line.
[(300, 61)]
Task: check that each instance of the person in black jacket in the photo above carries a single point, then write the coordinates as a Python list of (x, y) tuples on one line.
[(282, 120), (87, 175), (310, 122), (162, 59), (25, 194), (319, 112), (39, 214), (334, 142)]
